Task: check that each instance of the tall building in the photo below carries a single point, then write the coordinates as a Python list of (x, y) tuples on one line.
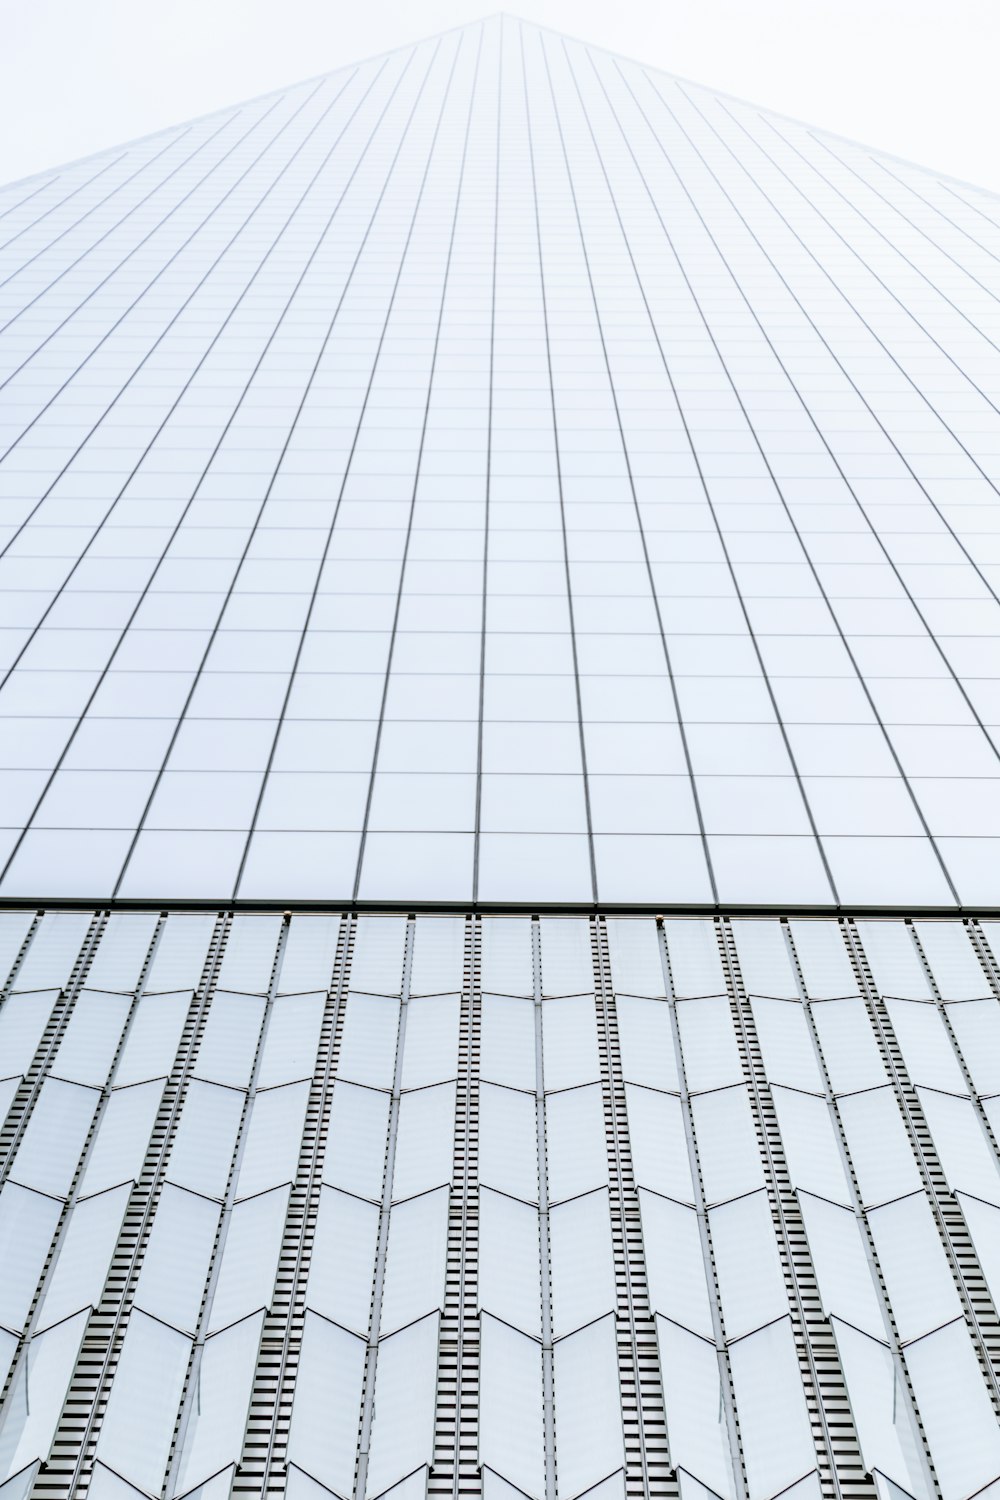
[(500, 900)]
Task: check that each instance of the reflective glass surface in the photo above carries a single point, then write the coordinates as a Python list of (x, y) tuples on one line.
[(503, 470)]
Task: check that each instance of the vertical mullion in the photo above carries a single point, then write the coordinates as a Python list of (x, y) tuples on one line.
[(222, 1233), (796, 1260), (631, 1288), (385, 1209), (704, 1232), (394, 632), (545, 1258), (559, 467), (275, 1392)]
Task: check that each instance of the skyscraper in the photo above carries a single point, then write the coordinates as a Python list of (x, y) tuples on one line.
[(501, 810)]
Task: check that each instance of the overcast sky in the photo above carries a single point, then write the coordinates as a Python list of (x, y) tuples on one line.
[(913, 77)]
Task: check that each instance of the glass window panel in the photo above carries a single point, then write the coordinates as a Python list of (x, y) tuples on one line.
[(310, 953), (326, 1413), (695, 963), (893, 959), (291, 1039), (506, 955), (142, 1407), (91, 1038), (122, 951), (23, 1019), (342, 1266), (823, 958), (765, 963), (846, 1284), (567, 961), (248, 957), (575, 1146), (438, 955), (880, 1409), (697, 1430), (976, 1025), (54, 950), (636, 965), (811, 1145), (414, 1274), (511, 1432), (925, 1044), (961, 1145), (850, 1050), (675, 1263), (229, 1041), (727, 1144), (368, 1041), (786, 1044), (659, 1146), (918, 1279), (508, 1261), (507, 1041), (405, 1395), (582, 1262), (299, 1486), (249, 1259), (81, 1268), (956, 1411), (431, 1051), (953, 962), (27, 1224), (53, 1138), (355, 1154), (219, 1487), (180, 953), (569, 1042), (879, 1146), (746, 1263), (106, 1486), (770, 1403), (711, 1056), (424, 1143), (217, 1415), (202, 1152), (178, 1253), (14, 928), (983, 1220), (122, 1137), (377, 961), (36, 1395), (589, 1439), (646, 1039), (508, 1142), (273, 1138), (153, 1038)]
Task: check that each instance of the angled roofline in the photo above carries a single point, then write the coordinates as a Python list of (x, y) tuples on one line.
[(763, 109), (625, 57), (221, 109)]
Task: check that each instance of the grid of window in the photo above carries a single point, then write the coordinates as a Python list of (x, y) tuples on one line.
[(498, 1205), (499, 471)]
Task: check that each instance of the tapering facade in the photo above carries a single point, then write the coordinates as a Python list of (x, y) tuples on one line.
[(499, 800)]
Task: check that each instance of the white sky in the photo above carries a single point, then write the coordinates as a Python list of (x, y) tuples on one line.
[(913, 77)]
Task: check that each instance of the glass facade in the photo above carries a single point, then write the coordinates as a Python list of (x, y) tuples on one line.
[(358, 1205), (454, 510), (500, 472)]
